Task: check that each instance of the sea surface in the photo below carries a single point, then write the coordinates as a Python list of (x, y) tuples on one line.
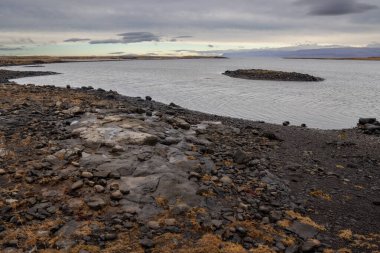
[(351, 88)]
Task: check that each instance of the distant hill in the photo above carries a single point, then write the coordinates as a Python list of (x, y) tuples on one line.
[(346, 52)]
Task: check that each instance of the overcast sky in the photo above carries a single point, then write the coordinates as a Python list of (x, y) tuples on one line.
[(73, 27)]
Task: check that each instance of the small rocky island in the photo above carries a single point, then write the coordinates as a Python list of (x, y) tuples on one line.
[(271, 75)]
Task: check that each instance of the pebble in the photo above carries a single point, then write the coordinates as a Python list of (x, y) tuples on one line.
[(226, 180), (117, 195), (170, 222), (96, 203), (114, 187), (110, 236), (99, 188), (78, 184), (87, 174), (2, 172), (180, 208), (146, 243), (153, 225)]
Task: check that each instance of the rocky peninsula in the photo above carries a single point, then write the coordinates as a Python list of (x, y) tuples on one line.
[(271, 75), (85, 170)]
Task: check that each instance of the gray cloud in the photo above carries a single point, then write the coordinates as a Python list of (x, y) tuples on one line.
[(4, 48), (117, 53), (211, 21), (131, 37), (374, 45), (76, 40), (183, 37), (336, 7)]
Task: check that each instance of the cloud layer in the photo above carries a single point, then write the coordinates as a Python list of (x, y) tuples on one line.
[(177, 21), (131, 37), (76, 40), (336, 7)]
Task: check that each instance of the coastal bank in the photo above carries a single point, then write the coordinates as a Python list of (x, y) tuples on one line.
[(85, 170)]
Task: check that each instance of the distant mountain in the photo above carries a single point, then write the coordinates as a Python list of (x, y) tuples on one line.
[(346, 52)]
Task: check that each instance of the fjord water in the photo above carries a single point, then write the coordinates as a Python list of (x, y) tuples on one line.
[(351, 88)]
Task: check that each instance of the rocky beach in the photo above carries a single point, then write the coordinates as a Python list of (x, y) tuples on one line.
[(89, 170)]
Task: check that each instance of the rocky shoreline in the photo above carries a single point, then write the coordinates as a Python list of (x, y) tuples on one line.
[(86, 170), (6, 75), (271, 75)]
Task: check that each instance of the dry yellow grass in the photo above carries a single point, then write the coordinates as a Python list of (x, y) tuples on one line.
[(305, 220), (344, 250), (345, 234), (263, 249), (213, 244), (126, 242), (321, 194)]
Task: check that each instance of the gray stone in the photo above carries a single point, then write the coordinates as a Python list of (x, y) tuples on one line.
[(87, 174), (241, 157), (181, 123), (180, 208), (310, 245), (99, 189), (153, 225), (170, 222), (303, 230), (363, 121), (146, 243), (226, 180), (117, 195), (292, 249), (78, 184), (96, 203)]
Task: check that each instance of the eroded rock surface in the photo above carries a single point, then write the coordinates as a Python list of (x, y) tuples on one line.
[(91, 171)]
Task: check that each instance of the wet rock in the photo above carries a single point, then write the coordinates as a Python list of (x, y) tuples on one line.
[(286, 123), (363, 121)]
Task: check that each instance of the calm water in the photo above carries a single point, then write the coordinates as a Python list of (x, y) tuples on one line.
[(351, 89)]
